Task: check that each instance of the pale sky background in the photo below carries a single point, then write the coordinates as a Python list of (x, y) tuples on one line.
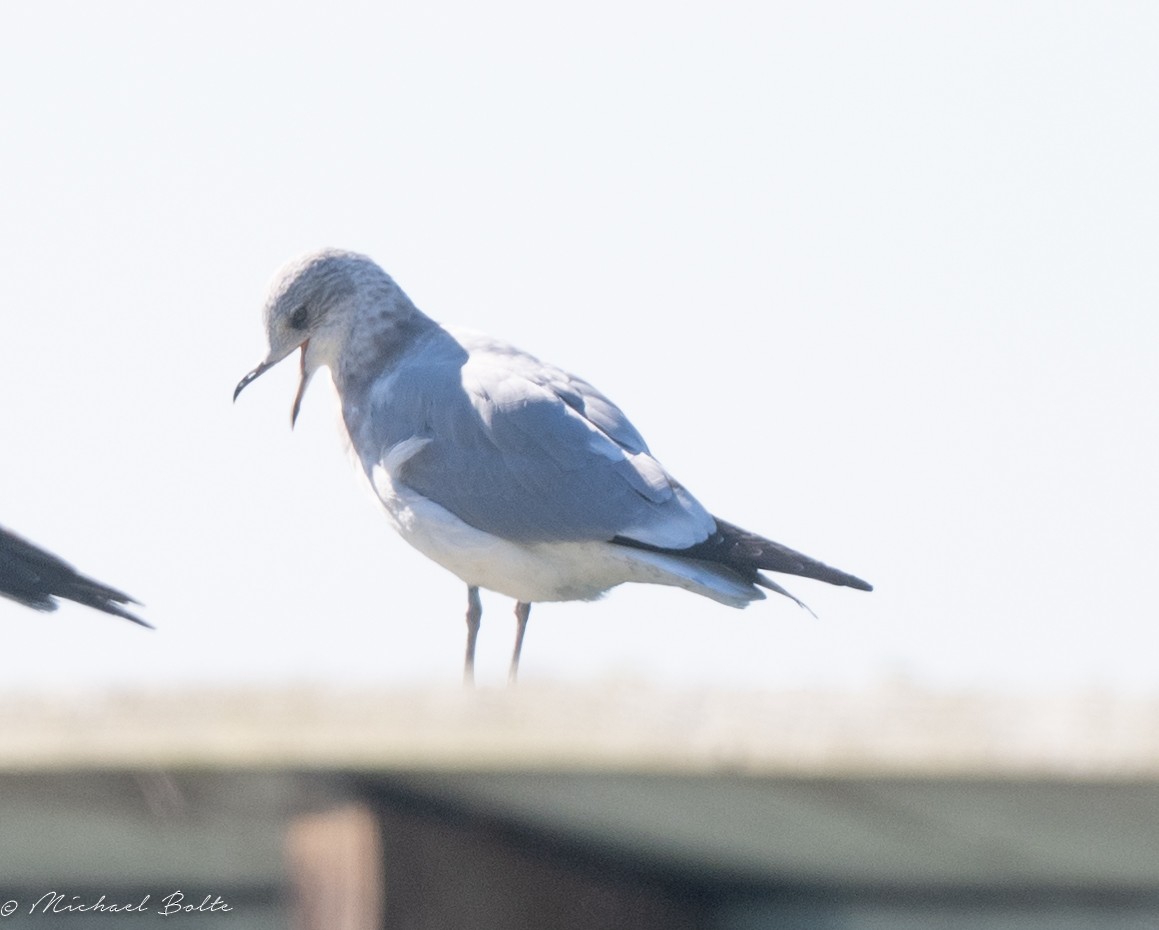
[(878, 281)]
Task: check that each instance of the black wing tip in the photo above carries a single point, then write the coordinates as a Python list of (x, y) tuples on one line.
[(106, 604), (761, 553), (850, 581), (135, 619), (117, 611), (819, 571), (36, 578), (109, 601)]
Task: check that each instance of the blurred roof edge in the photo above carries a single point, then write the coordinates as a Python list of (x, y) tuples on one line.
[(893, 731)]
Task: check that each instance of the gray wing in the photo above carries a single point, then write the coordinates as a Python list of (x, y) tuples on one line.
[(525, 451)]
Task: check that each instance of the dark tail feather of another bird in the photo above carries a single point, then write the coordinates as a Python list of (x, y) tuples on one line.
[(748, 554), (31, 576)]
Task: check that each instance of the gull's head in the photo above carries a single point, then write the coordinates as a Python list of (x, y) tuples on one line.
[(310, 307)]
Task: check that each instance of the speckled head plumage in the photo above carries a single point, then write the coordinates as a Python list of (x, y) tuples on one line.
[(311, 302)]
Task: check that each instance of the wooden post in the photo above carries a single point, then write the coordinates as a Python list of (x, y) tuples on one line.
[(334, 861)]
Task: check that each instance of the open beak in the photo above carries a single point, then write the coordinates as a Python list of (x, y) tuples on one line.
[(252, 376), (303, 380), (266, 366)]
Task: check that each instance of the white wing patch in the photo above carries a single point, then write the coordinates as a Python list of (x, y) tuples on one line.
[(397, 455)]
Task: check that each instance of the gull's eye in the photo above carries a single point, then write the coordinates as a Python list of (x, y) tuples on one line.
[(298, 318)]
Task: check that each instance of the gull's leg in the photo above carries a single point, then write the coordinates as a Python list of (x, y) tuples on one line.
[(474, 617), (522, 612)]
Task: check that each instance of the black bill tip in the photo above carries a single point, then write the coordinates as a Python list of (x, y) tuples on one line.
[(244, 382)]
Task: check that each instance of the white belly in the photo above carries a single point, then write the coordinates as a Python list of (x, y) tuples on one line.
[(550, 571)]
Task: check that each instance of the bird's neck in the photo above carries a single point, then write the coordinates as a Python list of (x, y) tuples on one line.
[(378, 338)]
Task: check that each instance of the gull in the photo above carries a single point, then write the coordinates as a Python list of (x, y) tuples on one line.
[(513, 474), (31, 576)]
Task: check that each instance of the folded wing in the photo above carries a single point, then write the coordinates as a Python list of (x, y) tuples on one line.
[(527, 452)]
